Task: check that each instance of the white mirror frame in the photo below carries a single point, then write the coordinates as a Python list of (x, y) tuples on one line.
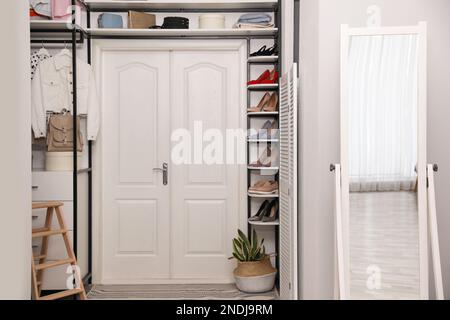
[(346, 33)]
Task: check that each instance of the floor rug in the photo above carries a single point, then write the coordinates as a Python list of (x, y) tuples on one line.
[(174, 292)]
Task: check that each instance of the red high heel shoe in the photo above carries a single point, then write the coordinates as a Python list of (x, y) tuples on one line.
[(268, 77), (273, 78), (265, 75)]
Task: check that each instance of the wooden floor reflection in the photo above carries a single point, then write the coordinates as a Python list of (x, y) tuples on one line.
[(384, 236)]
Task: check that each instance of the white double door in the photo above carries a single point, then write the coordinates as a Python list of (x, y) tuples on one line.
[(179, 230)]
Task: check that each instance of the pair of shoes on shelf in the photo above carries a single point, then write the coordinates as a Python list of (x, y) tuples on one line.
[(263, 188), (268, 212), (268, 131), (265, 52), (266, 159), (267, 77), (268, 103)]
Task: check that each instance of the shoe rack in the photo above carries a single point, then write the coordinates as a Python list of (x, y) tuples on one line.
[(256, 145)]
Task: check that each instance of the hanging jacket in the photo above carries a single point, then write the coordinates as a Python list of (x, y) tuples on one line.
[(52, 91)]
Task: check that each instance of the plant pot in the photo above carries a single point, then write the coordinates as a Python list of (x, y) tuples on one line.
[(258, 284), (255, 276)]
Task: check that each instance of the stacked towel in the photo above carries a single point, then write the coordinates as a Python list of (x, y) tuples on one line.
[(254, 21)]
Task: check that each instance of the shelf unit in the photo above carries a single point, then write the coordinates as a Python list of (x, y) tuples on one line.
[(68, 33), (263, 172)]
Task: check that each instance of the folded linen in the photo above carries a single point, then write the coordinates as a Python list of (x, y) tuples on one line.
[(42, 7), (253, 26), (255, 18)]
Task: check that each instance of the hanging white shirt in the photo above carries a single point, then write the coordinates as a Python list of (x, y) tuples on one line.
[(52, 90)]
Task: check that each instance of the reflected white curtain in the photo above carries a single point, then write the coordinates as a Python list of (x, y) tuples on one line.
[(382, 112)]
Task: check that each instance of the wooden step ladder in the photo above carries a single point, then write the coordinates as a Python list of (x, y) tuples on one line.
[(39, 262)]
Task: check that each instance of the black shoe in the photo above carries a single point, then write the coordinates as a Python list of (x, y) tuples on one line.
[(265, 52), (261, 212), (271, 212)]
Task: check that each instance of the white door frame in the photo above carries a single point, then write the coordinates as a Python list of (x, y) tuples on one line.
[(421, 31), (102, 46)]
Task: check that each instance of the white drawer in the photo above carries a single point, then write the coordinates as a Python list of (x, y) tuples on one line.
[(56, 278), (52, 186), (56, 248), (40, 214)]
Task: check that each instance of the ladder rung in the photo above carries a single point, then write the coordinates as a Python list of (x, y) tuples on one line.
[(39, 283), (61, 294), (39, 257), (41, 234), (40, 230), (45, 205), (53, 264)]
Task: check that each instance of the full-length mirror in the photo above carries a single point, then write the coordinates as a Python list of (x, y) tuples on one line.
[(384, 190)]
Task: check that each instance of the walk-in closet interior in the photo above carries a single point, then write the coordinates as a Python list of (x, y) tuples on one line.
[(145, 97)]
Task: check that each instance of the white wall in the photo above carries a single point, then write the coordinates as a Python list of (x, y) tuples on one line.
[(15, 162), (320, 93)]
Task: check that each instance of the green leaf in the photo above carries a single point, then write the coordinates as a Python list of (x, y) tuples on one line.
[(238, 257), (254, 239), (244, 239), (236, 246)]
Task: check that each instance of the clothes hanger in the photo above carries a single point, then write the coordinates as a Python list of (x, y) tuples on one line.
[(65, 51), (42, 51)]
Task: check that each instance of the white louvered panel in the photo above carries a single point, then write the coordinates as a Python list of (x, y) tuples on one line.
[(288, 186)]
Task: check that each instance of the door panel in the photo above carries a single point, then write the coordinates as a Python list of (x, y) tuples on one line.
[(136, 132), (205, 197)]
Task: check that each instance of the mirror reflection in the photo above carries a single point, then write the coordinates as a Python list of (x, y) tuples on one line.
[(383, 139)]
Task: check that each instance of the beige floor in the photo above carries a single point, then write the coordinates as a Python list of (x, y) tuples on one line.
[(384, 234)]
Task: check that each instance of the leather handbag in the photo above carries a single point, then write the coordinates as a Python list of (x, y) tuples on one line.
[(141, 20), (175, 23), (60, 133), (109, 20)]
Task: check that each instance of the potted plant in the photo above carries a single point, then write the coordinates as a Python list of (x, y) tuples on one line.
[(254, 273)]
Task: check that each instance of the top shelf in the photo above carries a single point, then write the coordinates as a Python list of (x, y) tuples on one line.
[(218, 5), (52, 25)]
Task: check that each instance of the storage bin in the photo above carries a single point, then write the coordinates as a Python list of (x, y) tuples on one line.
[(212, 21), (60, 161)]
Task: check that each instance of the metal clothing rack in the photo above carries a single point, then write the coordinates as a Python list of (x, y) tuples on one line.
[(81, 36), (73, 36)]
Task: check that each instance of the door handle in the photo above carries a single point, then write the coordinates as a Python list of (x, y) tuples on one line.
[(165, 172)]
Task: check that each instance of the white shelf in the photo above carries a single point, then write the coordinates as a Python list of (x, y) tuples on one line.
[(263, 59), (263, 86), (188, 4), (265, 196), (260, 223), (264, 168), (263, 140), (262, 114), (182, 32), (50, 25)]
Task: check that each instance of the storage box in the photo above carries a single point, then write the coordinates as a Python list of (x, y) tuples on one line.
[(212, 21), (60, 161), (140, 20)]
